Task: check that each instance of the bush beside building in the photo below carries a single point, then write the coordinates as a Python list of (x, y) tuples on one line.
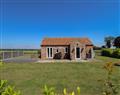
[(115, 53)]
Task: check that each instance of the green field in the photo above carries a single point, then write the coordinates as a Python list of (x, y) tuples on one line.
[(31, 77)]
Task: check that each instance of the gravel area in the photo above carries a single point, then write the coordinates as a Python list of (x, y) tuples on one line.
[(21, 59)]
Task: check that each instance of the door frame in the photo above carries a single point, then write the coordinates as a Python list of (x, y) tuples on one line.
[(79, 52), (49, 52)]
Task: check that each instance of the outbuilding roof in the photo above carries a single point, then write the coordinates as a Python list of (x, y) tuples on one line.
[(64, 41)]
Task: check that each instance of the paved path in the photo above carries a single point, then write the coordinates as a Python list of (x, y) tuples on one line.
[(52, 61)]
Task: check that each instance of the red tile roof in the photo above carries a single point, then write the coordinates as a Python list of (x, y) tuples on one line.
[(64, 41)]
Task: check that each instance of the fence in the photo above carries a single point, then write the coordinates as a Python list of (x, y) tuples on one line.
[(10, 54)]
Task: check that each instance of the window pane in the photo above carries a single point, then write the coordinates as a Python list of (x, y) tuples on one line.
[(48, 51)]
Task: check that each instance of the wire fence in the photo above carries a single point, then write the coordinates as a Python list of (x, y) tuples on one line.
[(10, 54)]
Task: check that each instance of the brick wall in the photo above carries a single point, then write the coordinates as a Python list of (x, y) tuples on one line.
[(82, 47), (56, 55), (71, 51)]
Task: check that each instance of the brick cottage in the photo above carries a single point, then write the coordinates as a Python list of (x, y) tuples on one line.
[(66, 48)]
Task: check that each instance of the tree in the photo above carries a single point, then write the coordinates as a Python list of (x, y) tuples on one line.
[(103, 46), (108, 44), (109, 40), (117, 42)]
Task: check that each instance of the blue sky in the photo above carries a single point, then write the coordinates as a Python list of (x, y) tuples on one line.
[(24, 23)]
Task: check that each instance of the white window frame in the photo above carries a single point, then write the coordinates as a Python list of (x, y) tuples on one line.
[(49, 52), (75, 53)]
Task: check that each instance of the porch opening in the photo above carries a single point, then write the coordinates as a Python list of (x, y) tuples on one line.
[(77, 52)]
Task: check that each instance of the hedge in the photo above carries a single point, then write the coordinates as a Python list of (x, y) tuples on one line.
[(115, 53), (107, 52)]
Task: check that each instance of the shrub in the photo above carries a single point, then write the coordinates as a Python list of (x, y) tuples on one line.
[(3, 84), (6, 89), (107, 52), (110, 87), (110, 83), (116, 53), (111, 53), (51, 91), (9, 90)]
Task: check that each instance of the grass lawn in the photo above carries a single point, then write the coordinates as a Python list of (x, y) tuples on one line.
[(31, 77)]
